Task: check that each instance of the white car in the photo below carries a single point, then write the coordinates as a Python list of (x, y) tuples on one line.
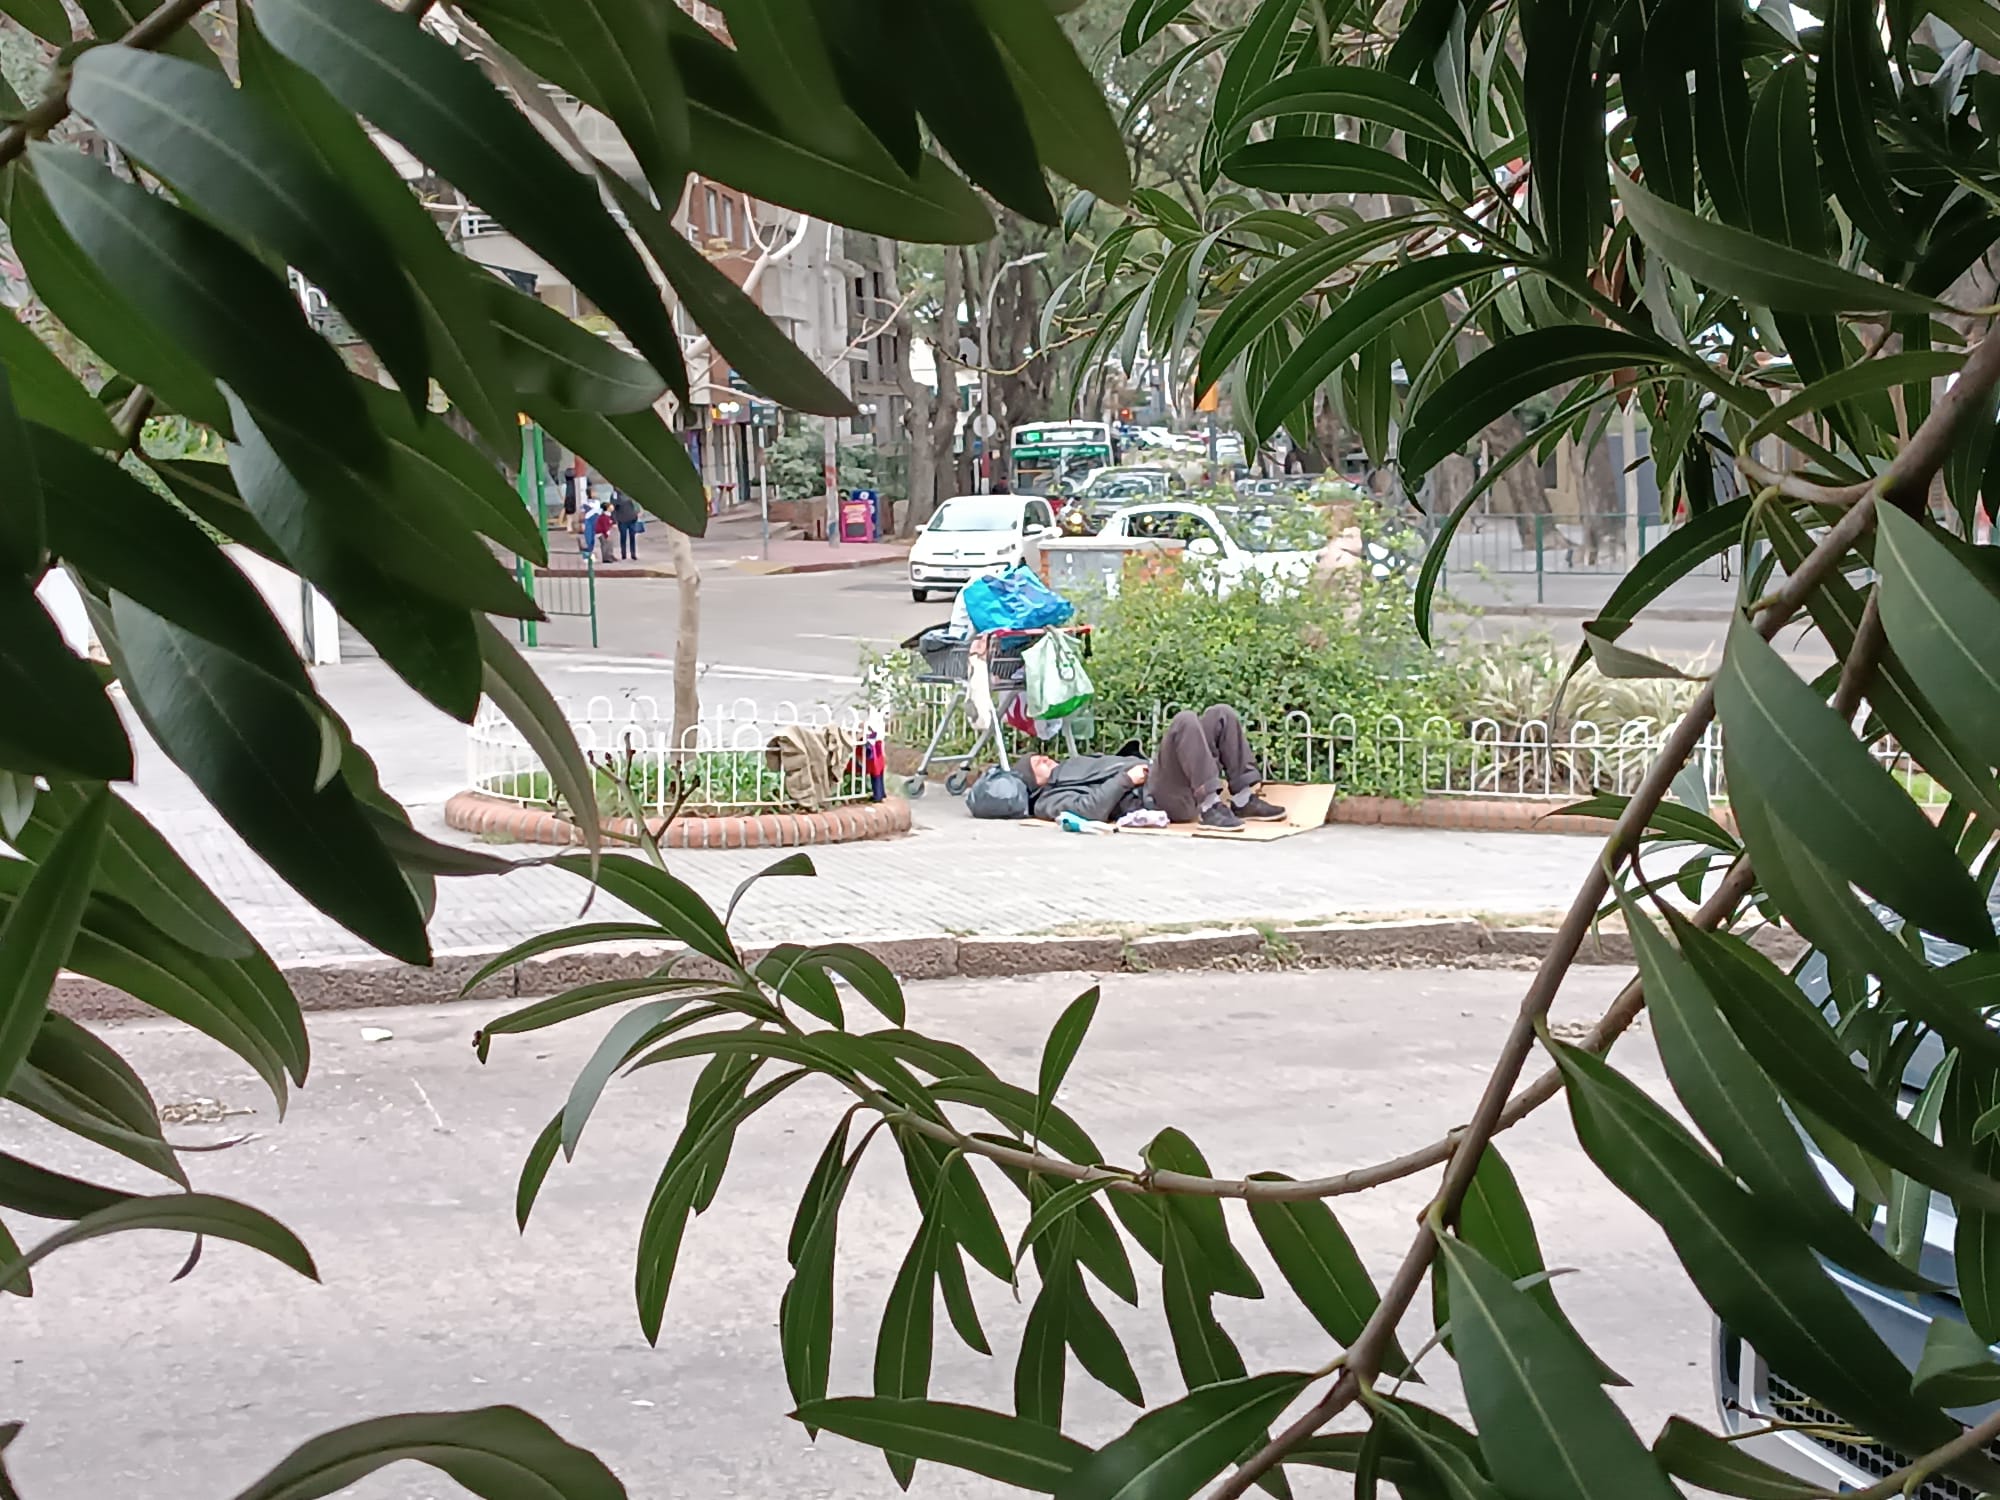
[(974, 534), (1243, 542)]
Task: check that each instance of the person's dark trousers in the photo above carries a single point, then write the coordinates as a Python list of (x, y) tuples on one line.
[(1198, 754), (628, 539)]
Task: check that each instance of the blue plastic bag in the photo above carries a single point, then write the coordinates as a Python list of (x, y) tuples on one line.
[(1014, 600)]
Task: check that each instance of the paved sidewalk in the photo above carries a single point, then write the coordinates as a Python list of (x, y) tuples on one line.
[(954, 876)]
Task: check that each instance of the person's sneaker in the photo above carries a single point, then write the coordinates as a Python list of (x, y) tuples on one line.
[(1261, 811), (1219, 816)]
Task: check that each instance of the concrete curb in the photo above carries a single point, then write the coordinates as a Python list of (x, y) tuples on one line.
[(831, 565), (1450, 942)]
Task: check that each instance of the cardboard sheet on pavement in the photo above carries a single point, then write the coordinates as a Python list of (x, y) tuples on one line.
[(1306, 807)]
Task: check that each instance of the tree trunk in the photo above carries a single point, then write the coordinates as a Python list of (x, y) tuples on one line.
[(1518, 492), (687, 640), (944, 413), (918, 404)]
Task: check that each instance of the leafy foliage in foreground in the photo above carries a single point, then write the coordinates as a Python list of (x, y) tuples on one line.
[(176, 161)]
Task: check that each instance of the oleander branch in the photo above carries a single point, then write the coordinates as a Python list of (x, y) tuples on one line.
[(153, 31)]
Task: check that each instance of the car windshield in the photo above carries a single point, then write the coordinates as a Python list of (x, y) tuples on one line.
[(1273, 528), (978, 513), (1123, 484)]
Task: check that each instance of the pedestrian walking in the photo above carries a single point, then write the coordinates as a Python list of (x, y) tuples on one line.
[(625, 512), (572, 489)]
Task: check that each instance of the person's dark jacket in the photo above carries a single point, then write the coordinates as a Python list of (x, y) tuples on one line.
[(1097, 788), (624, 509)]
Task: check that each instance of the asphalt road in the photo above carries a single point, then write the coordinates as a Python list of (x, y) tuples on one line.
[(397, 1165)]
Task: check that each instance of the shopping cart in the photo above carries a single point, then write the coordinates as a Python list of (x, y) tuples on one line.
[(946, 661)]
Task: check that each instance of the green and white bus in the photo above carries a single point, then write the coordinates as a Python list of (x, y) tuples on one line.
[(1044, 453)]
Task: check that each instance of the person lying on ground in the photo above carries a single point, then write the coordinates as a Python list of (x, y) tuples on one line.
[(1202, 773)]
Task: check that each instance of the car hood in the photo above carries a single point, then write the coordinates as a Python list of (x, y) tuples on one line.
[(962, 544)]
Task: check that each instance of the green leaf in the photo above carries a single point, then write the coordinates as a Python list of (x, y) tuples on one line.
[(1171, 1453), (1320, 164), (903, 1343), (1760, 1279), (251, 174), (1817, 777), (1652, 46), (1939, 611), (1379, 98), (804, 985), (1203, 1349), (805, 1314), (496, 1452), (1793, 1043), (1054, 1209), (860, 187), (968, 1213), (23, 533), (1493, 1219), (1073, 129), (51, 1195), (825, 1173), (1850, 63), (1026, 1455), (58, 717), (620, 49), (1684, 548), (555, 942), (429, 464), (1220, 1267), (1957, 1367), (45, 18), (546, 355), (958, 1304), (535, 1169), (1097, 1347), (1721, 1467), (1513, 371), (441, 106), (627, 1036), (1319, 1263), (1564, 95), (464, 350), (1670, 820), (675, 1193), (1454, 1467), (1972, 20), (1857, 380), (44, 391), (1736, 1107), (791, 864), (639, 454), (1733, 260), (1065, 1037), (871, 978), (772, 364), (1370, 309), (190, 1213), (77, 1081), (1910, 1200), (1974, 1091), (1041, 1369), (512, 684), (252, 746), (1821, 906), (127, 538), (652, 892), (212, 296), (1553, 1432)]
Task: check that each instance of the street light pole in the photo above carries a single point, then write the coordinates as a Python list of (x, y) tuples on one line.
[(985, 344)]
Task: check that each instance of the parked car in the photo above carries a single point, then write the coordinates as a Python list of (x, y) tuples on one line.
[(1242, 542), (974, 534), (1752, 1397)]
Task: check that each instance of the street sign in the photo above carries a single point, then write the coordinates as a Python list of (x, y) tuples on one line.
[(984, 425)]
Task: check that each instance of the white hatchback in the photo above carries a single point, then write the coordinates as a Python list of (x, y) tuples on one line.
[(974, 534)]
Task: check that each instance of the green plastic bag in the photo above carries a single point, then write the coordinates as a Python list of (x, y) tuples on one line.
[(1057, 685)]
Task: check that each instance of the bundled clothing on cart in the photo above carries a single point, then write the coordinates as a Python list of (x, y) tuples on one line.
[(1203, 772)]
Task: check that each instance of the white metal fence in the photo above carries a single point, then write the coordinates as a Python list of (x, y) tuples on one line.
[(1436, 757), (718, 763)]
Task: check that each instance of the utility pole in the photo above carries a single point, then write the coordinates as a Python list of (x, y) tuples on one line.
[(830, 460)]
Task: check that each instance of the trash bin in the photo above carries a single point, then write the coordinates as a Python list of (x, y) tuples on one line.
[(860, 516)]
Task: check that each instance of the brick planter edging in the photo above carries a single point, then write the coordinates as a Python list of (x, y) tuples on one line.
[(477, 813)]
